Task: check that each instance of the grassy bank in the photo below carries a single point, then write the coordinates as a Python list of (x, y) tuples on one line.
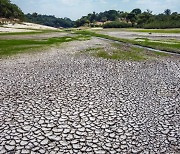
[(170, 45), (175, 31), (11, 47), (164, 31), (35, 31), (174, 47), (123, 52)]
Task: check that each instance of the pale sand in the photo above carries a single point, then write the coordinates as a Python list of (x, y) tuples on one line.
[(24, 27), (5, 29)]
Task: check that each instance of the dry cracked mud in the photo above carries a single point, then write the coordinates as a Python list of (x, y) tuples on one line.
[(134, 35), (58, 102)]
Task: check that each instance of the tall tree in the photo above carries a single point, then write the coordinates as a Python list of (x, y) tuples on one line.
[(167, 12), (9, 10), (104, 19), (132, 18), (136, 11)]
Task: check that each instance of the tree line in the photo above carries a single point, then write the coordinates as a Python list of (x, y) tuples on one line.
[(9, 10), (49, 20), (107, 19), (135, 18)]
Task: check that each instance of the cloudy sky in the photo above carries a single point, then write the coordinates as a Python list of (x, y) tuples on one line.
[(74, 9)]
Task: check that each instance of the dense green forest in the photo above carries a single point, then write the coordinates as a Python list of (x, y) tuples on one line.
[(49, 20), (135, 18), (107, 19), (9, 10), (112, 19)]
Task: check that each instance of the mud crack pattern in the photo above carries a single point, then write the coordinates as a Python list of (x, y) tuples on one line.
[(59, 102)]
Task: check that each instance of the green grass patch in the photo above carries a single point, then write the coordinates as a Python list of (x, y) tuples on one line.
[(174, 30), (118, 54), (123, 52), (161, 54), (168, 45), (20, 33), (11, 47), (92, 50), (156, 45), (154, 30), (29, 33)]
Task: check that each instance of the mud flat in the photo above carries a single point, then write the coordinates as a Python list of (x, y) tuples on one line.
[(133, 35), (60, 101)]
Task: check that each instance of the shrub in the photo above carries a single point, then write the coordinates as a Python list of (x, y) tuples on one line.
[(162, 24), (116, 24)]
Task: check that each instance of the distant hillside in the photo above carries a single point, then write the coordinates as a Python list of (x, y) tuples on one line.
[(49, 20), (9, 10), (107, 19), (135, 18)]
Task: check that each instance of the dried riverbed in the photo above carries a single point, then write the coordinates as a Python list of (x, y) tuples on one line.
[(134, 35), (61, 101)]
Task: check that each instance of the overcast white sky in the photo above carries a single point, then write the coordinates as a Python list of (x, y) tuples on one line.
[(75, 9)]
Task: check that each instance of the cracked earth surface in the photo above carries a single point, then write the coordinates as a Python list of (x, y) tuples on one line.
[(61, 102), (133, 35)]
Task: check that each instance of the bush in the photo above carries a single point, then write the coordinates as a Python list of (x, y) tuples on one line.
[(116, 24), (162, 24), (94, 25)]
